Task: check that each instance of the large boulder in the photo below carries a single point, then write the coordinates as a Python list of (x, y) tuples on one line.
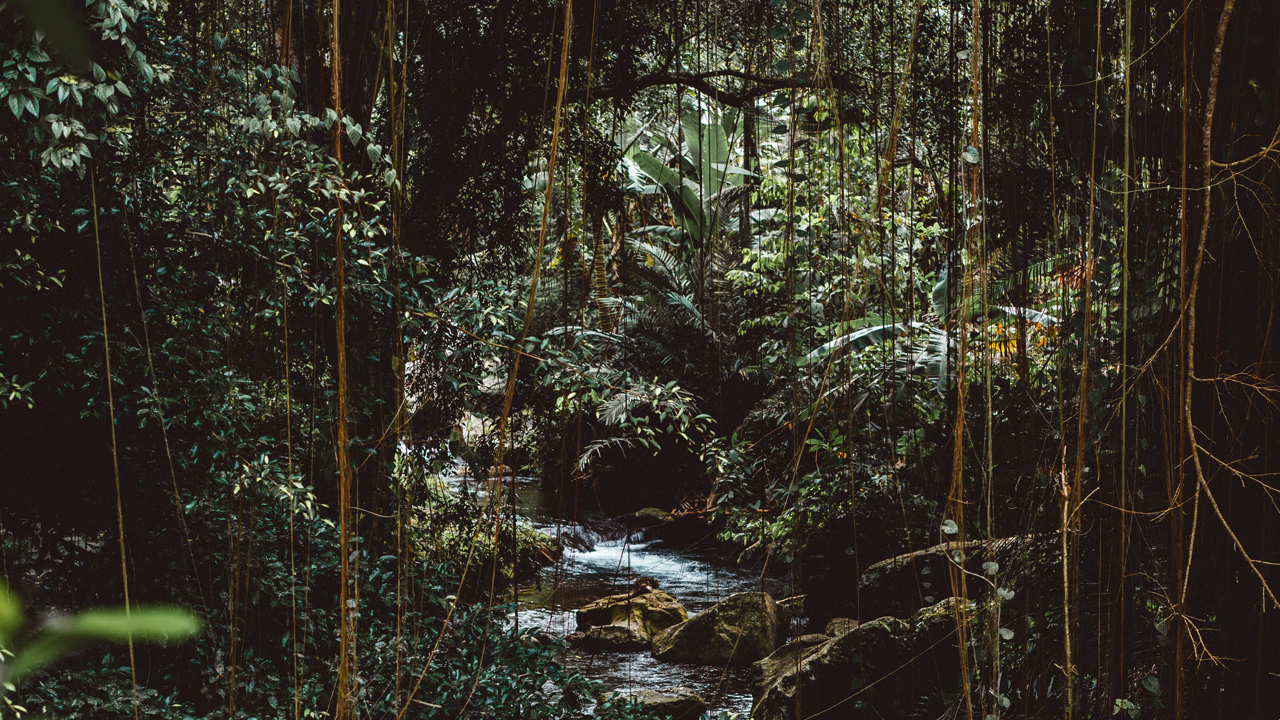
[(628, 621), (875, 669), (675, 703), (904, 584), (827, 675), (737, 631)]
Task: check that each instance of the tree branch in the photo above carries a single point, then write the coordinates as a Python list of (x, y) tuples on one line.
[(703, 83)]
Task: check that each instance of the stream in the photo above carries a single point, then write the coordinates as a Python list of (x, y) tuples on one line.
[(698, 576)]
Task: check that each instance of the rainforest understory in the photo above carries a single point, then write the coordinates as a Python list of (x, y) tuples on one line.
[(951, 321)]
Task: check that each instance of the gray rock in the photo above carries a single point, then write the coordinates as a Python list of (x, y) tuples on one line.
[(874, 665), (826, 677), (737, 631), (676, 703)]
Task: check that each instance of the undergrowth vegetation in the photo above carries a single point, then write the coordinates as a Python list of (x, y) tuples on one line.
[(839, 281)]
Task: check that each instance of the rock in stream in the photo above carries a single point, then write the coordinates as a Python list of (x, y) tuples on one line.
[(737, 631), (628, 621)]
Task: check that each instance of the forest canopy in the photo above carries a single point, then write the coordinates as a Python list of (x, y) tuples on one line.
[(839, 280)]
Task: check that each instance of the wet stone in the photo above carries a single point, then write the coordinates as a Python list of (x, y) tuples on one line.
[(675, 703)]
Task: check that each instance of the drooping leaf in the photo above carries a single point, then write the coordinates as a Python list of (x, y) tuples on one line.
[(941, 297), (683, 197), (853, 342), (1034, 316)]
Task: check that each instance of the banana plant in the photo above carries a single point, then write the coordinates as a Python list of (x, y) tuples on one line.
[(933, 356), (705, 187)]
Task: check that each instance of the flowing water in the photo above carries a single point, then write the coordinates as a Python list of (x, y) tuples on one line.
[(698, 576)]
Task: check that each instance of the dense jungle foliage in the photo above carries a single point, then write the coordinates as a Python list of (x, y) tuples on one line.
[(845, 279)]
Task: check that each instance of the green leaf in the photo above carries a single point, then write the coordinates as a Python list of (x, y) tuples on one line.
[(354, 133), (375, 153), (16, 103), (853, 342), (949, 527), (683, 196), (1127, 706), (708, 148), (10, 615), (971, 155), (1006, 634), (143, 624), (941, 297), (1034, 316), (98, 73), (1152, 684)]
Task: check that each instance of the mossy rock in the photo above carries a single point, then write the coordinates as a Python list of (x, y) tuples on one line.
[(649, 517), (840, 626), (620, 637), (738, 631), (629, 621), (817, 678), (878, 664)]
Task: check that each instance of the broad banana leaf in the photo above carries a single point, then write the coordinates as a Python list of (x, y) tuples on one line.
[(681, 192), (853, 342)]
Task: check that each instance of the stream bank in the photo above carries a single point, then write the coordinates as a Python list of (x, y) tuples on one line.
[(620, 583), (603, 556)]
